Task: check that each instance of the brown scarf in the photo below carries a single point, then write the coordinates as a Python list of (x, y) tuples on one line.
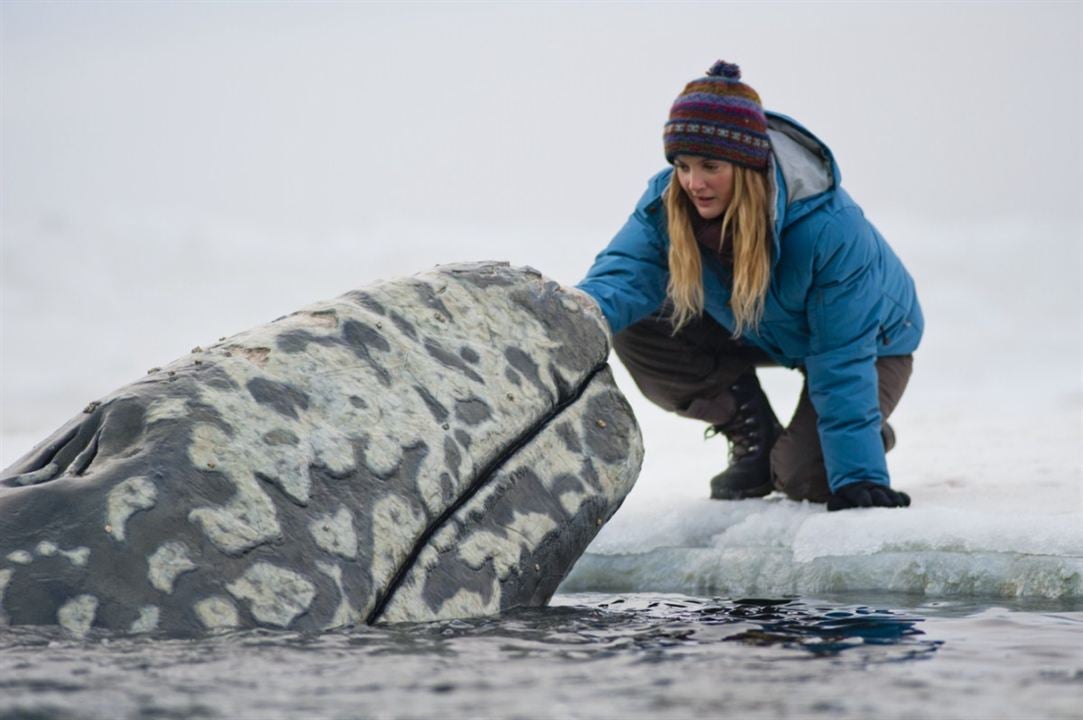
[(709, 234)]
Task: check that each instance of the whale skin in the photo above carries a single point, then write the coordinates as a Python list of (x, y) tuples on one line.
[(437, 446)]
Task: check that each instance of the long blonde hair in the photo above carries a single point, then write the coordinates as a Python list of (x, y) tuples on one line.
[(746, 221)]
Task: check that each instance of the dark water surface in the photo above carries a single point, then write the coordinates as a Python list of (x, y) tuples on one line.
[(587, 656)]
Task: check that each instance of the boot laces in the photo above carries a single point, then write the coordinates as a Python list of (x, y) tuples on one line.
[(742, 432)]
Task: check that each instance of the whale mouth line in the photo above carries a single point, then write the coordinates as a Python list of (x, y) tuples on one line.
[(483, 477)]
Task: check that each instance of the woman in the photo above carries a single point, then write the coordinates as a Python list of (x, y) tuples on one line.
[(748, 252)]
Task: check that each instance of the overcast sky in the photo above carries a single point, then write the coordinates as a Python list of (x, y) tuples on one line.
[(175, 171), (337, 114)]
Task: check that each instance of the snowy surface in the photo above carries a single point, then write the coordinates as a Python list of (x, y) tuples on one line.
[(172, 175)]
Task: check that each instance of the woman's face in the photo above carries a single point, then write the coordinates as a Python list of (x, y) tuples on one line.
[(708, 183)]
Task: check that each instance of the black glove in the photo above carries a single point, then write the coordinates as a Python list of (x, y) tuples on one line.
[(866, 494)]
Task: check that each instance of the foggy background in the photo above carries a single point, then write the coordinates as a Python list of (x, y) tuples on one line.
[(174, 172)]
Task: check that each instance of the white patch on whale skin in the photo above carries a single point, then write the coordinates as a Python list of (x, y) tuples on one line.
[(78, 556), (276, 596), (147, 620), (126, 499), (246, 453), (77, 615), (46, 548), (571, 501), (383, 454), (525, 533), (467, 603), (331, 448), (530, 528), (248, 519), (167, 408), (217, 612), (335, 533), (297, 485), (464, 603), (167, 563), (345, 614), (398, 524), (480, 547)]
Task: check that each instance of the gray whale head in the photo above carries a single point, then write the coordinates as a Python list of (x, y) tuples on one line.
[(438, 446)]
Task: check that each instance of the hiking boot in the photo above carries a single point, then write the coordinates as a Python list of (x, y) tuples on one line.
[(751, 433)]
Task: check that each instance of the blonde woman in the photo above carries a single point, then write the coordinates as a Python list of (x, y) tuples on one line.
[(748, 252)]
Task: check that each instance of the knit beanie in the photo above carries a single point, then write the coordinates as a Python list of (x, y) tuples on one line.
[(719, 117)]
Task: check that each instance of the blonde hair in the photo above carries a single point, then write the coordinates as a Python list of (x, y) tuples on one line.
[(746, 221)]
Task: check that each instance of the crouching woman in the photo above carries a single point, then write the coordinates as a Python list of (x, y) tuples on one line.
[(747, 252)]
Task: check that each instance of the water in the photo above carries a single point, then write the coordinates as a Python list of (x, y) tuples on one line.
[(588, 655)]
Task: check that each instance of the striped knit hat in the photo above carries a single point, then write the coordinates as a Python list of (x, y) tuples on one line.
[(720, 117)]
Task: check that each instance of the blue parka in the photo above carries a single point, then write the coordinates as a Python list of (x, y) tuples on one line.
[(838, 298)]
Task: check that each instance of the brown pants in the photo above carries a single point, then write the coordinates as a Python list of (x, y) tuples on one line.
[(690, 374)]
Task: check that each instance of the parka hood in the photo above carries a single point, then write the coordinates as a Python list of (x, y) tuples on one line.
[(802, 168)]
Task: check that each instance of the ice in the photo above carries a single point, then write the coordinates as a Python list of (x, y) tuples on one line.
[(777, 547), (958, 531)]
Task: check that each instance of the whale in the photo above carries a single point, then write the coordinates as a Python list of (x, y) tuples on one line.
[(443, 445)]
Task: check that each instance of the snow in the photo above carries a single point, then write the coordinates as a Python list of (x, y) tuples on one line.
[(160, 193)]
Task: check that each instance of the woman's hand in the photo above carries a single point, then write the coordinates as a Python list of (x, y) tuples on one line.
[(866, 494)]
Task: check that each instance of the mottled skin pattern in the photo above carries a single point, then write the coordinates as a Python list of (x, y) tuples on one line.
[(444, 445)]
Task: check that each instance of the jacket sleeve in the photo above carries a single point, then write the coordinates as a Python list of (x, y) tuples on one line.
[(628, 278), (844, 318)]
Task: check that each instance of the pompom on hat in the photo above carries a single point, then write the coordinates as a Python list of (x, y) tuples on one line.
[(719, 117)]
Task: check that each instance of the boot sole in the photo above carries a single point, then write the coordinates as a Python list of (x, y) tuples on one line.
[(738, 494)]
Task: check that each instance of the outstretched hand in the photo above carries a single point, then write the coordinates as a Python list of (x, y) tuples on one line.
[(866, 494)]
